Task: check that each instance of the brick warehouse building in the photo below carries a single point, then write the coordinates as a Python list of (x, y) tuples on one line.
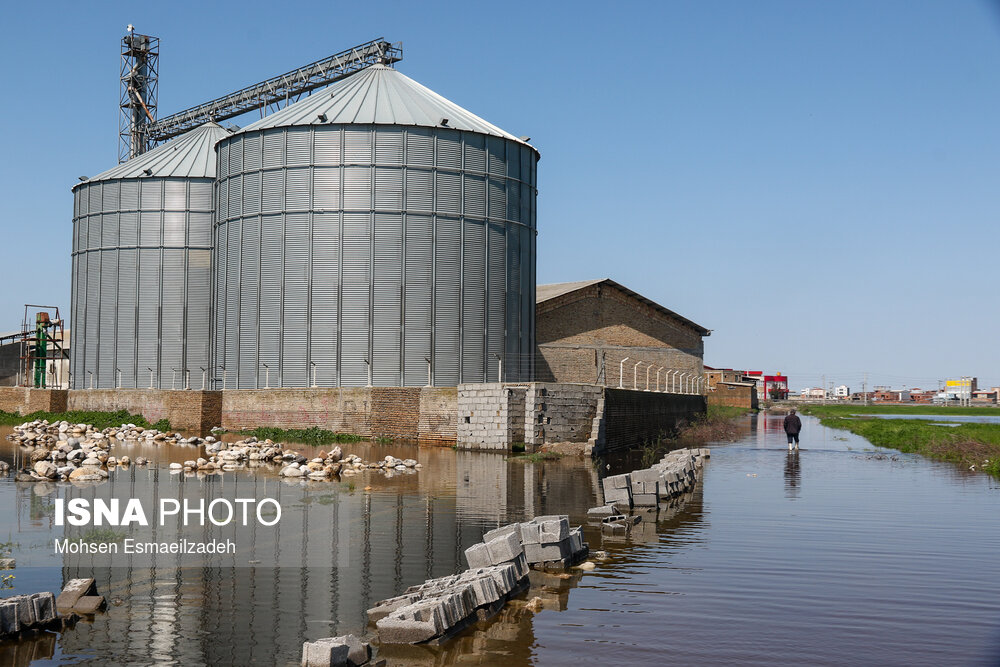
[(585, 329)]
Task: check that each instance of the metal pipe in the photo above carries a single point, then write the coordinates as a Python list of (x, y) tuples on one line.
[(368, 365), (313, 364), (648, 368), (204, 377), (118, 378), (499, 367), (267, 376), (150, 376), (430, 376), (91, 374), (621, 373), (173, 377), (683, 375), (658, 371), (635, 375)]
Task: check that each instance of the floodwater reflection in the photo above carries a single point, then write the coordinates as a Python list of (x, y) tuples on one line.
[(879, 562)]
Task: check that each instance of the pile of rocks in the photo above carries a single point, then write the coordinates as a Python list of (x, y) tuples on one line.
[(64, 451), (324, 466)]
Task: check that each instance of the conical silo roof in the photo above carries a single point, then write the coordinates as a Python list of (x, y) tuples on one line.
[(379, 95), (191, 155)]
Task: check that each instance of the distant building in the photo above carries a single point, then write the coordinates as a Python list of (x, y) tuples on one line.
[(985, 395), (714, 376), (888, 395), (813, 392), (776, 386), (585, 330), (960, 389), (843, 391)]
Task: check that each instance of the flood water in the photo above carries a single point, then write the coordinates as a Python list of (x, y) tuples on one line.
[(964, 419), (837, 554)]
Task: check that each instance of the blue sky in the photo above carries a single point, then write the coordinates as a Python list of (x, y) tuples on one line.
[(816, 182)]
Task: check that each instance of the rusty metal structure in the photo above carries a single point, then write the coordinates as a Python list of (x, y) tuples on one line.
[(43, 347)]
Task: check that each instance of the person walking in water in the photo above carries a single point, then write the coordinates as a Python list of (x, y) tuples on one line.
[(792, 427)]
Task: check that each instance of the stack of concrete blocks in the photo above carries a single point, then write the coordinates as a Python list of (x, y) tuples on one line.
[(618, 491), (550, 543), (24, 613), (676, 473), (645, 486), (346, 651), (437, 609)]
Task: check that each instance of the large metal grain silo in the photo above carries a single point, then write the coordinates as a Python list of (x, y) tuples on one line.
[(374, 233), (142, 248)]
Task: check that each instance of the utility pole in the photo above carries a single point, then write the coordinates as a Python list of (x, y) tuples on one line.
[(864, 389), (824, 388)]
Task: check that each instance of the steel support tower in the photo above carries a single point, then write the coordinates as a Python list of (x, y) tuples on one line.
[(139, 75)]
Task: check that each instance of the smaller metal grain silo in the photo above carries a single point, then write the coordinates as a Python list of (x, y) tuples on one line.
[(142, 248)]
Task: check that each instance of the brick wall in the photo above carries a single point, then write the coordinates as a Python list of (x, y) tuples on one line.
[(583, 335), (736, 396), (24, 400), (405, 413), (190, 411), (409, 413)]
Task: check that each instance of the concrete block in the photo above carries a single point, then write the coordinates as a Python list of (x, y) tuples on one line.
[(602, 511), (73, 591), (504, 548), (503, 530), (25, 610), (325, 653), (576, 540), (539, 553), (530, 533), (393, 630), (44, 607), (9, 624), (478, 556), (89, 604), (645, 475)]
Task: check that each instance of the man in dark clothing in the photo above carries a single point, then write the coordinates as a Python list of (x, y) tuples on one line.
[(792, 427)]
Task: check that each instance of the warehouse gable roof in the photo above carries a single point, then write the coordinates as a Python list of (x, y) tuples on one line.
[(379, 95), (545, 293), (191, 155)]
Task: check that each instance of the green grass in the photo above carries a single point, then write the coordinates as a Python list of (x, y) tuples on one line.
[(851, 408), (716, 412), (99, 420), (517, 446), (966, 445), (537, 457), (309, 436)]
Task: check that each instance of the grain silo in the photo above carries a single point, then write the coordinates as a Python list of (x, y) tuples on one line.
[(371, 234), (142, 247)]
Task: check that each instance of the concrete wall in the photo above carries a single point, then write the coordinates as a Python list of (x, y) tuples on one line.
[(560, 412), (633, 418), (490, 416), (734, 395), (607, 418), (583, 335)]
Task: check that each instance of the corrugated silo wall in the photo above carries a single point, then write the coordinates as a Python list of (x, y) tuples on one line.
[(141, 282), (340, 244)]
